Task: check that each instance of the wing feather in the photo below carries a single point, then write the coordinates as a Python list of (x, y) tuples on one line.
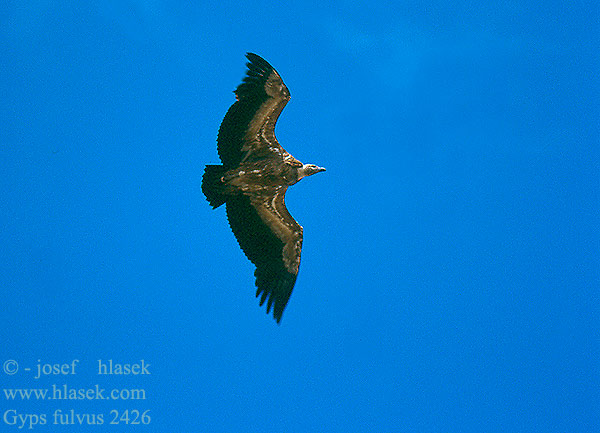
[(249, 125), (272, 241)]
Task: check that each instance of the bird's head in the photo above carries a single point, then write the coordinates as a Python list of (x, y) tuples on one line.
[(308, 170)]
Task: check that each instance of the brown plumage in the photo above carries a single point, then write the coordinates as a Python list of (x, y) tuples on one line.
[(253, 179)]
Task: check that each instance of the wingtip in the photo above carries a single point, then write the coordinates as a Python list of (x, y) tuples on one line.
[(277, 315), (271, 304), (258, 61), (252, 58)]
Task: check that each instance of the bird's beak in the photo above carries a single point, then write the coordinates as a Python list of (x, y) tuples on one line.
[(320, 169)]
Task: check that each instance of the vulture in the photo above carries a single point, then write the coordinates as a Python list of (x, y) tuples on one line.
[(252, 180)]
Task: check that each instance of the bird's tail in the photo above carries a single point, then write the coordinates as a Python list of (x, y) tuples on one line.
[(212, 187)]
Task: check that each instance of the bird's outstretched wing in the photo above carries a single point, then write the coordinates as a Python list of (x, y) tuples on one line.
[(272, 240), (248, 129)]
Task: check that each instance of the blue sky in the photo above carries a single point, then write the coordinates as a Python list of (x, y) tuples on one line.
[(450, 269)]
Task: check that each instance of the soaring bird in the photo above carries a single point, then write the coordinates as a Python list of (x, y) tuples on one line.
[(252, 181)]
